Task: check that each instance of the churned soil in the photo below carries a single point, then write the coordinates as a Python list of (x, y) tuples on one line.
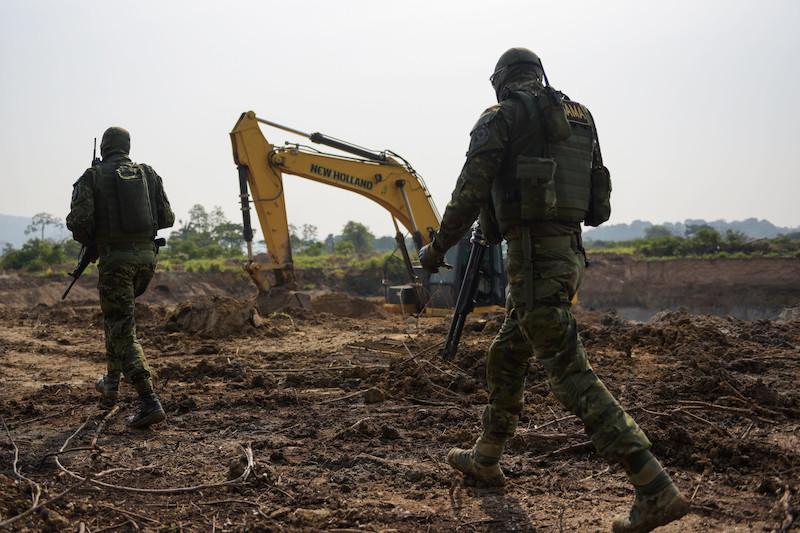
[(326, 421)]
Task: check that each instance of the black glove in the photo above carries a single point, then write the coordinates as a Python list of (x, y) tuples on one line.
[(431, 258)]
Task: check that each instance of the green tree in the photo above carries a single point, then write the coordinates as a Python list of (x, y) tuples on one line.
[(40, 221), (229, 236), (692, 229), (309, 234), (34, 255), (704, 240), (657, 231), (314, 249), (217, 217), (671, 246), (344, 248), (199, 219), (359, 235)]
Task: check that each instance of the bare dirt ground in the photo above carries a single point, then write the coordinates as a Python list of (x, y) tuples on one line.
[(349, 420)]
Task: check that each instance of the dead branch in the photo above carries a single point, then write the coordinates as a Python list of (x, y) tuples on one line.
[(557, 420), (570, 448), (247, 451), (41, 505), (129, 514), (14, 425), (243, 502), (696, 404), (600, 473), (102, 425), (71, 450), (714, 426), (313, 369), (36, 490), (111, 528), (345, 397), (421, 352), (57, 497)]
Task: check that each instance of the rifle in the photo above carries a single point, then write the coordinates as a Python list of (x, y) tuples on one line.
[(465, 302), (88, 255), (95, 159)]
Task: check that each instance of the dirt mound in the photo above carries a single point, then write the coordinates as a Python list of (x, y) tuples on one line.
[(341, 304), (214, 317)]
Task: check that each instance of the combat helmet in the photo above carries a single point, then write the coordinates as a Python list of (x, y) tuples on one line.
[(510, 58), (116, 140)]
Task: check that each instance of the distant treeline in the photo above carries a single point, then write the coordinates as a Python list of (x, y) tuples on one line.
[(751, 227), (204, 236), (701, 240)]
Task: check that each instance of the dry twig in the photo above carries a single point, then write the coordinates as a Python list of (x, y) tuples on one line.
[(36, 490), (312, 369), (247, 451), (129, 514), (60, 495), (244, 502), (570, 448)]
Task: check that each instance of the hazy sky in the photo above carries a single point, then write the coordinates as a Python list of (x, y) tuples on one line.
[(696, 102)]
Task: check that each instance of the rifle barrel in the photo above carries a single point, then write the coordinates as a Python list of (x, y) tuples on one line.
[(465, 302), (64, 296)]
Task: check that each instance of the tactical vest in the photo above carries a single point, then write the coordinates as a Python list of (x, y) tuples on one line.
[(544, 179), (125, 205)]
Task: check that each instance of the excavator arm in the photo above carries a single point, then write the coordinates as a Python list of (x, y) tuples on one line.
[(386, 180)]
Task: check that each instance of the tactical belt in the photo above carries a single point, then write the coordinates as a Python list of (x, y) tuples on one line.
[(125, 246)]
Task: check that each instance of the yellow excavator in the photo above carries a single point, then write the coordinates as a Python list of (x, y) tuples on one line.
[(382, 176)]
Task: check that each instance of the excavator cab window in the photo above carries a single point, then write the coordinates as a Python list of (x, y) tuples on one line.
[(443, 286)]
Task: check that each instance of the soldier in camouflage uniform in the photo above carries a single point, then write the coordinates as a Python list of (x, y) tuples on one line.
[(117, 207), (533, 174)]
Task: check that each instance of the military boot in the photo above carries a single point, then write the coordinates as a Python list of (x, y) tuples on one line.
[(150, 410), (108, 387), (481, 462), (651, 511)]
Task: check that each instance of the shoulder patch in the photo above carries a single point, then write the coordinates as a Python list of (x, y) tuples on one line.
[(486, 117), (576, 112), (479, 135)]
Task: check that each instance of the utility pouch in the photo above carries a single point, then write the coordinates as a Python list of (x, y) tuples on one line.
[(537, 186), (599, 197), (489, 225), (135, 209), (554, 116)]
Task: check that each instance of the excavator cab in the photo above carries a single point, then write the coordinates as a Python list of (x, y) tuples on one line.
[(440, 291), (443, 286)]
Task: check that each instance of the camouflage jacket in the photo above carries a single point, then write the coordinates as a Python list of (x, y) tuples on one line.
[(489, 140), (82, 218)]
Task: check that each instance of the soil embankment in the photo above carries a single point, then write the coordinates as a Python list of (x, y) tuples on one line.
[(757, 288)]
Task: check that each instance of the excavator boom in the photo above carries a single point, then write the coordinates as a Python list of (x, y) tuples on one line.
[(381, 178)]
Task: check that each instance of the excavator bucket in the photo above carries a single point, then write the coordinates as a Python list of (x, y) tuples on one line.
[(275, 299), (278, 299)]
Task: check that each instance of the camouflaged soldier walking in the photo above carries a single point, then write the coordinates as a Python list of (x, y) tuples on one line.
[(533, 174), (117, 208)]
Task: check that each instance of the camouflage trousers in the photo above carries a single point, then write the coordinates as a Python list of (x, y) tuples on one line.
[(125, 271), (546, 329)]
